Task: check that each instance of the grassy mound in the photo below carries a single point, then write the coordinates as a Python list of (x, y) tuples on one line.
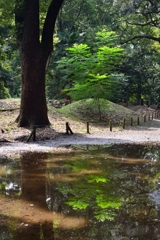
[(98, 111), (76, 114)]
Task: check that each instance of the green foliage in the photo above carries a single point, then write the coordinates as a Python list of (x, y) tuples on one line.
[(126, 23), (74, 26), (9, 58), (142, 80), (136, 26), (92, 191), (106, 38), (10, 73), (4, 92), (138, 20), (92, 72), (77, 204), (95, 178)]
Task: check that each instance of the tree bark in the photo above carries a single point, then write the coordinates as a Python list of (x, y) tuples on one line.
[(33, 110), (34, 57)]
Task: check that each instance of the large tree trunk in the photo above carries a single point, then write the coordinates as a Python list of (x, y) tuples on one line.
[(33, 109), (35, 52)]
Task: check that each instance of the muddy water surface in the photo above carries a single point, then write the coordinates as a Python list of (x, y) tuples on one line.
[(90, 192)]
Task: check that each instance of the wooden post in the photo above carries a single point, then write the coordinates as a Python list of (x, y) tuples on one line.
[(144, 118), (138, 121), (33, 133), (110, 125), (155, 114), (68, 129), (124, 123), (88, 127), (131, 121)]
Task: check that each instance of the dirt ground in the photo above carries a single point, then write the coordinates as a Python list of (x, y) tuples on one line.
[(14, 140), (148, 133)]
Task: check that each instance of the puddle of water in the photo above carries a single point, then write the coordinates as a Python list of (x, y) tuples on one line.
[(91, 192)]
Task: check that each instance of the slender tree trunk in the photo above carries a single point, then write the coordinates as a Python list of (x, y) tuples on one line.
[(139, 91), (127, 96), (99, 108)]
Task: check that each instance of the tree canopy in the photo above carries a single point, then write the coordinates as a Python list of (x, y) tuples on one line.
[(92, 71), (134, 23)]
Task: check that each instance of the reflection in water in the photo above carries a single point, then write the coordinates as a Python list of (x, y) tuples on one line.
[(107, 193)]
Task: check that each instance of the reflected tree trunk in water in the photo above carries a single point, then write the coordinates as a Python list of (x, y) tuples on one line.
[(34, 200)]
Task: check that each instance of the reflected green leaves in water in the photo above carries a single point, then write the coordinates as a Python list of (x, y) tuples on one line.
[(122, 182), (98, 192), (94, 193)]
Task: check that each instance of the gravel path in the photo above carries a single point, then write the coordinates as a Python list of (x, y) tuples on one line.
[(149, 133)]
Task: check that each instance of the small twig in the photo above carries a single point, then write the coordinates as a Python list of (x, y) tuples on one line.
[(10, 109)]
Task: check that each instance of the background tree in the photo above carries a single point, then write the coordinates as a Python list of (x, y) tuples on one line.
[(8, 51), (78, 22), (93, 72), (141, 68), (136, 24), (139, 20), (85, 65), (138, 28), (4, 93), (127, 19)]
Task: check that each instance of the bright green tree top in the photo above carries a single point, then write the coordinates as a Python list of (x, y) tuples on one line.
[(93, 72)]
